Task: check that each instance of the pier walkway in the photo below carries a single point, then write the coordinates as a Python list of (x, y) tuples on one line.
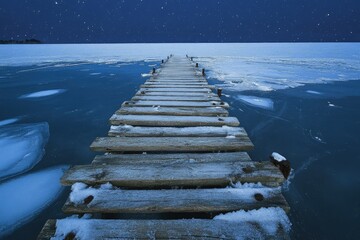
[(173, 160)]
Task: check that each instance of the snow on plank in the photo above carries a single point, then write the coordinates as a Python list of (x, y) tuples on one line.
[(176, 98), (98, 229), (177, 81), (170, 158), (172, 121), (176, 86), (141, 103), (171, 144), (193, 94), (174, 111), (168, 89), (133, 131), (173, 201), (184, 174)]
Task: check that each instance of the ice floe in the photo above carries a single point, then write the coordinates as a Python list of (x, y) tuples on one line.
[(21, 147), (265, 103), (44, 93), (26, 196), (8, 121), (314, 92)]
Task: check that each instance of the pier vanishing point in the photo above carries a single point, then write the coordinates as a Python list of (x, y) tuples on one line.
[(172, 161)]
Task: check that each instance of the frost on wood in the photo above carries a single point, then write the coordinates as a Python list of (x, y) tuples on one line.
[(267, 218)]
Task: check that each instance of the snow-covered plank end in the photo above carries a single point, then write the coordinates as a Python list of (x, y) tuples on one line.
[(282, 163)]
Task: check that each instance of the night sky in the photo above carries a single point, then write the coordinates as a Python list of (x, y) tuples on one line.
[(96, 21)]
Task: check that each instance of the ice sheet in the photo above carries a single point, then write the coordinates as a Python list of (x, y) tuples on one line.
[(44, 93), (265, 103), (21, 147), (8, 121), (26, 196)]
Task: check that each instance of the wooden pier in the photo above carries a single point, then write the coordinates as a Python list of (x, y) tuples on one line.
[(172, 157)]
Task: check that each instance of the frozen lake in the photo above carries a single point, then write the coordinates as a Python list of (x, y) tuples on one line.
[(301, 100)]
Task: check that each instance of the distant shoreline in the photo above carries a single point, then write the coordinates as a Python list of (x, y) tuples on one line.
[(26, 41)]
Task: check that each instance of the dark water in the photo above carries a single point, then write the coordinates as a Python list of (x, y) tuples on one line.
[(320, 141), (76, 117)]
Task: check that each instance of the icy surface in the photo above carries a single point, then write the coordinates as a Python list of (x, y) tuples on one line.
[(8, 121), (21, 147), (24, 197), (44, 93), (278, 157), (265, 103), (268, 218), (242, 66)]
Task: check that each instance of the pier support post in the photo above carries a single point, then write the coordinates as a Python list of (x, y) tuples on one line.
[(282, 164), (162, 61), (203, 72), (191, 58), (153, 71), (196, 65), (219, 90)]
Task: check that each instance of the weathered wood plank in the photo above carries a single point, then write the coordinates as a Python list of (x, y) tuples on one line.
[(163, 229), (176, 98), (171, 144), (186, 174), (174, 111), (131, 131), (175, 201), (202, 90), (194, 104), (193, 94), (172, 121), (176, 81), (177, 86), (170, 158)]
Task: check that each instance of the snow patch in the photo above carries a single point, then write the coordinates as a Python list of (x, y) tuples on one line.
[(26, 196), (247, 185), (21, 147), (146, 74), (79, 227), (268, 218), (44, 93), (265, 103), (278, 157), (230, 136), (80, 191)]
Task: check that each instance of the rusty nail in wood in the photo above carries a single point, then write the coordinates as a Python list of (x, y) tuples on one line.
[(259, 197), (70, 236), (247, 169), (88, 199)]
